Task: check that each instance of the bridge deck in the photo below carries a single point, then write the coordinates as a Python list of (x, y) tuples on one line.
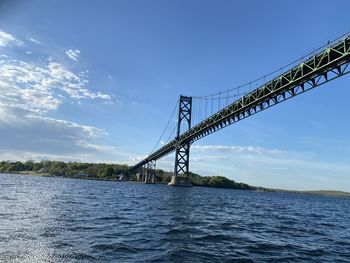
[(324, 66)]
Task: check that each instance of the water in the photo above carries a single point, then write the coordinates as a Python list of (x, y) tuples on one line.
[(46, 219)]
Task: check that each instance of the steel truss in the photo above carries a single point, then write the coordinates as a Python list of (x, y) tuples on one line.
[(247, 107), (327, 65), (182, 154)]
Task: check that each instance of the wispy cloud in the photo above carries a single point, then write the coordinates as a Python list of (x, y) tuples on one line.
[(73, 54), (267, 166), (7, 39), (33, 40), (248, 155), (236, 149), (35, 88), (96, 147)]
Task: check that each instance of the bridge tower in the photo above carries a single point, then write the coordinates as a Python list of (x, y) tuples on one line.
[(182, 153)]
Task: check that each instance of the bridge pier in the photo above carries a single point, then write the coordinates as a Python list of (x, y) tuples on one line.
[(141, 175), (182, 154), (150, 175), (180, 181)]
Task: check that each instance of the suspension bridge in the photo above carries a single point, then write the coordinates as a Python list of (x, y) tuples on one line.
[(216, 111)]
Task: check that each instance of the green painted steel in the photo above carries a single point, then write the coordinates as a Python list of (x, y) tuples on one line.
[(331, 63)]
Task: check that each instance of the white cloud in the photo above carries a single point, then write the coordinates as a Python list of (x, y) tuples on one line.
[(73, 54), (34, 41), (47, 136), (236, 149), (6, 39), (32, 90), (95, 147), (251, 156), (42, 88), (269, 167)]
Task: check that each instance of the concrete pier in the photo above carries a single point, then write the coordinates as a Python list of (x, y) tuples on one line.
[(180, 181), (150, 179)]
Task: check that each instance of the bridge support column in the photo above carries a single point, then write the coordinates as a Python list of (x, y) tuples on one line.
[(182, 154), (142, 174), (150, 176), (138, 176)]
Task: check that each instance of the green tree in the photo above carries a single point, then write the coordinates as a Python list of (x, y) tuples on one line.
[(29, 165), (106, 172)]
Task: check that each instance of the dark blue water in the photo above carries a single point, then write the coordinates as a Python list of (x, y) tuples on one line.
[(64, 220)]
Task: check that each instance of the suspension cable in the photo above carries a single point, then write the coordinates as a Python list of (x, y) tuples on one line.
[(208, 100), (309, 54), (167, 125)]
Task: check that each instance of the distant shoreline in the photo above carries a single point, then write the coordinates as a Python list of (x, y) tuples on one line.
[(331, 193), (327, 193)]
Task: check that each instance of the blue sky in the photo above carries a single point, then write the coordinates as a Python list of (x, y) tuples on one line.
[(97, 81)]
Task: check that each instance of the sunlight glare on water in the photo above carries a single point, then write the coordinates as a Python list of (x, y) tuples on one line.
[(65, 220)]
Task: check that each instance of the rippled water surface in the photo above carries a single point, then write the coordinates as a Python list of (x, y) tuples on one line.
[(46, 219)]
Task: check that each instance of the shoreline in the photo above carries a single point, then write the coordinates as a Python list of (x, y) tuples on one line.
[(326, 193)]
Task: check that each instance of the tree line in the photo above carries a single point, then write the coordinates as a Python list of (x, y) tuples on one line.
[(70, 169), (110, 171)]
